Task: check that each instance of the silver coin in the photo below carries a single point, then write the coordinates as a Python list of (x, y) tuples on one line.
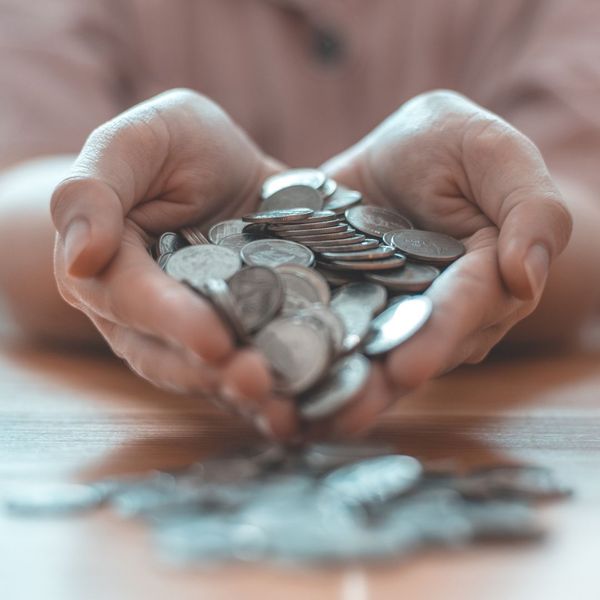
[(367, 244), (357, 324), (328, 320), (376, 220), (428, 246), (298, 352), (344, 381), (311, 177), (345, 233), (302, 287), (51, 498), (337, 243), (198, 264), (217, 291), (293, 196), (163, 259), (258, 293), (342, 199), (193, 235), (327, 456), (372, 297), (398, 323), (375, 480), (288, 215), (319, 216), (313, 230), (384, 264), (272, 253), (170, 242), (328, 188), (410, 278), (374, 254), (237, 241), (221, 230)]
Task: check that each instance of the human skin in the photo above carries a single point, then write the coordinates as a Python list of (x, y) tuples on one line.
[(177, 159)]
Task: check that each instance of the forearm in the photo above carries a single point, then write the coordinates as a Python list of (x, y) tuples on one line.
[(572, 296), (28, 290)]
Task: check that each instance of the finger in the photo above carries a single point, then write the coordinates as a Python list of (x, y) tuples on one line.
[(135, 293), (278, 419), (510, 182), (173, 369)]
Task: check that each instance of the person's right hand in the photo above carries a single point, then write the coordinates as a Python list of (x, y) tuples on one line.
[(174, 160)]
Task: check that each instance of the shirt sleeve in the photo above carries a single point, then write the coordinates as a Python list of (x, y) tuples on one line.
[(63, 71), (539, 67)]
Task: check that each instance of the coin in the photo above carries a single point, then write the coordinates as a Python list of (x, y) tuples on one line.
[(272, 253), (163, 259), (313, 229), (335, 278), (371, 297), (367, 244), (225, 228), (357, 324), (302, 287), (279, 216), (398, 323), (257, 229), (344, 382), (259, 293), (340, 243), (170, 242), (375, 480), (410, 278), (392, 262), (376, 220), (237, 241), (297, 350), (328, 188), (428, 246), (311, 177), (342, 199), (329, 321), (344, 234), (217, 291), (293, 196), (51, 498), (198, 264), (374, 254), (193, 235)]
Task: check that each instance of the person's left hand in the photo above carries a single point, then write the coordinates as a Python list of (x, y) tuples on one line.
[(451, 166)]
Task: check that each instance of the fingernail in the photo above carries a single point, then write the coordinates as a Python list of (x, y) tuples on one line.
[(76, 238), (262, 424), (537, 264)]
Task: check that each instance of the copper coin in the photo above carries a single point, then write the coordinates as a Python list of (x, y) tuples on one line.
[(342, 199), (376, 220), (374, 254), (311, 177), (428, 246), (367, 244), (411, 278), (293, 196), (221, 230), (385, 264), (328, 230), (279, 216), (193, 235), (272, 253), (344, 234), (324, 245)]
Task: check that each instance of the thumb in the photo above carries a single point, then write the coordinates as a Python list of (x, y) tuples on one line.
[(533, 233), (347, 167)]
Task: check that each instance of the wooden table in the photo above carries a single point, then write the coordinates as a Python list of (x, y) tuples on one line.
[(78, 417)]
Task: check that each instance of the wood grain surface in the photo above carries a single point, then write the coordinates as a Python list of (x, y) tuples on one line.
[(72, 416)]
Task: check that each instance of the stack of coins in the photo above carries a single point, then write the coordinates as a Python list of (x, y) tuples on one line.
[(319, 282)]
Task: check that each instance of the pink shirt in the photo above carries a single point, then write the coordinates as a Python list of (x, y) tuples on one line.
[(68, 65)]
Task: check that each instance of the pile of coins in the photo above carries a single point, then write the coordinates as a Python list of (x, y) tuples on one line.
[(324, 504), (317, 281)]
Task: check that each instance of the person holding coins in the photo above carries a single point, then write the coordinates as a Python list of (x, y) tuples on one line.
[(472, 119)]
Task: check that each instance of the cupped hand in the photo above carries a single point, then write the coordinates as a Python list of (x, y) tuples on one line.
[(453, 167), (174, 160)]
